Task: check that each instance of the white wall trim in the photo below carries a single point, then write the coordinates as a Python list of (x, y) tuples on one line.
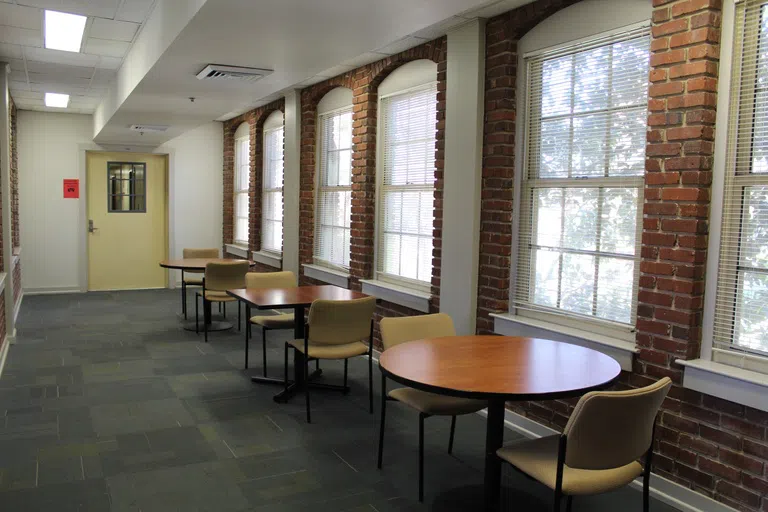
[(727, 382), (17, 306), (397, 294), (267, 258), (327, 275), (514, 325), (236, 250), (52, 290), (664, 490), (3, 275), (4, 353)]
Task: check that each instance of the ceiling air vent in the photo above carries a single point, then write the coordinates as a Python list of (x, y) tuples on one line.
[(216, 71), (149, 128)]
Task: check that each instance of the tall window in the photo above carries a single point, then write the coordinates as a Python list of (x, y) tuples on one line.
[(741, 303), (334, 194), (581, 194), (272, 198), (407, 184), (242, 183)]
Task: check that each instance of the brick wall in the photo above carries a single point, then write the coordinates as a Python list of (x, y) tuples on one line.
[(17, 281), (713, 446), (16, 238), (255, 119), (364, 82)]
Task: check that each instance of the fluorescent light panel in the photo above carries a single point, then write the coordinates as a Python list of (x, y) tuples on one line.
[(64, 31), (53, 99)]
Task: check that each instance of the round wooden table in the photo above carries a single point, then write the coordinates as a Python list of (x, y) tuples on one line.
[(498, 369), (196, 265)]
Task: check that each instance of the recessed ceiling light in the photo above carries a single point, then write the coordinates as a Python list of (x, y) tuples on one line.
[(64, 31), (53, 99)]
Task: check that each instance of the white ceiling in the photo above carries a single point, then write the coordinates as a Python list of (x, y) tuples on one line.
[(111, 28), (141, 56)]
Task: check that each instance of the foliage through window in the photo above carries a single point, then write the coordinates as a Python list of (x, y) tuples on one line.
[(406, 190), (272, 198), (581, 195), (334, 195)]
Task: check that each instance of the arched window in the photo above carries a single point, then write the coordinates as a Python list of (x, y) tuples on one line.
[(272, 185), (405, 169), (583, 106), (242, 183), (334, 179)]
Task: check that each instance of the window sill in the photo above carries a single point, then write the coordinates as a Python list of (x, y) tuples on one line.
[(327, 275), (727, 382), (407, 297), (268, 258), (240, 251), (514, 325)]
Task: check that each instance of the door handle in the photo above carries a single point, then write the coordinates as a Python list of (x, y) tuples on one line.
[(91, 229)]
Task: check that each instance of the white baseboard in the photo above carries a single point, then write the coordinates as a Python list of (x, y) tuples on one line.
[(662, 489), (4, 353), (51, 291)]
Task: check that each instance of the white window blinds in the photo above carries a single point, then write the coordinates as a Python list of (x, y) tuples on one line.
[(334, 193), (581, 195), (242, 184), (406, 187), (272, 198), (741, 304)]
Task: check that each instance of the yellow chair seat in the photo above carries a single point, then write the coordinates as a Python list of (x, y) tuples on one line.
[(538, 458), (434, 404), (344, 351), (212, 296), (194, 281), (281, 321)]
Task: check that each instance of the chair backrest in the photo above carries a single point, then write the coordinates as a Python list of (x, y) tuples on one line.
[(226, 275), (200, 253), (336, 322), (408, 328), (609, 429), (284, 279)]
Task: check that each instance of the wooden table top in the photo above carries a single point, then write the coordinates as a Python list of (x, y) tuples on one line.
[(194, 263), (507, 367), (266, 298)]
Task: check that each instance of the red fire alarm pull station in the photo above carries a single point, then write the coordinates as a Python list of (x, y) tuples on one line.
[(71, 189)]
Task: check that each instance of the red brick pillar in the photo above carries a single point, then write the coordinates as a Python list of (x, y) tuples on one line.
[(684, 65)]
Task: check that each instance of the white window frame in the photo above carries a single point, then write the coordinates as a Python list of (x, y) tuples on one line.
[(402, 284), (319, 190), (595, 329), (265, 192), (241, 192)]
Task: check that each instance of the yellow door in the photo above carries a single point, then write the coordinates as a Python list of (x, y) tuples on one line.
[(127, 197)]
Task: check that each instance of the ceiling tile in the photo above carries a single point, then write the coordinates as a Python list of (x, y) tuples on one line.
[(109, 62), (57, 87), (11, 51), (114, 30), (59, 57), (20, 16), (106, 47), (103, 77), (363, 59), (336, 70), (25, 95), (401, 45), (135, 10), (23, 36), (60, 69), (99, 8), (439, 29), (46, 78), (22, 86), (17, 76), (17, 64), (312, 81)]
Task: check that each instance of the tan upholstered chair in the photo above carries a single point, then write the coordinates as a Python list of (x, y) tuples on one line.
[(400, 330), (256, 280), (336, 329), (195, 278), (599, 447), (220, 277)]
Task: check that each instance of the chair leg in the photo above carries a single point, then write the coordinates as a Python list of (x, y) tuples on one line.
[(421, 456), (197, 326), (184, 298), (246, 349), (306, 385), (569, 504), (558, 499), (383, 416), (285, 368), (453, 431), (646, 491), (207, 317), (224, 306), (219, 307), (370, 382), (264, 349), (346, 366), (239, 319)]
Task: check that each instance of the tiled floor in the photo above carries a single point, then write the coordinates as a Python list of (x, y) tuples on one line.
[(107, 404)]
